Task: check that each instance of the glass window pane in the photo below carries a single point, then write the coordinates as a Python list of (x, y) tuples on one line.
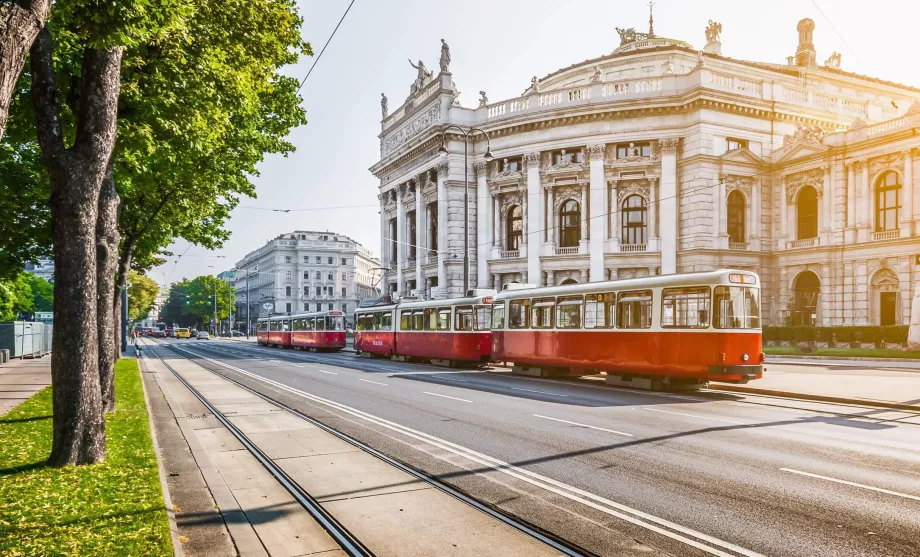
[(685, 307), (498, 316), (634, 309)]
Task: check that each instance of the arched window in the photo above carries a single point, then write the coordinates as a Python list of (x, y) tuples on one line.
[(887, 202), (807, 213), (806, 288), (634, 221), (736, 217), (569, 281), (514, 231), (569, 224)]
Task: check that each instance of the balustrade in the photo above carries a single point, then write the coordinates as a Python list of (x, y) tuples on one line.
[(511, 254), (806, 243), (738, 246), (633, 247), (566, 251), (887, 234)]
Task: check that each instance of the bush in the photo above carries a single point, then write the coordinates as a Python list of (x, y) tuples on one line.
[(867, 334), (842, 335), (845, 334), (824, 334), (895, 333), (804, 333)]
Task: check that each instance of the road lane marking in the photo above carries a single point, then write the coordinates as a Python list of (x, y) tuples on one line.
[(297, 365), (327, 372), (623, 512), (584, 425), (533, 391), (854, 484), (374, 382), (695, 416), (445, 396), (276, 361), (453, 379)]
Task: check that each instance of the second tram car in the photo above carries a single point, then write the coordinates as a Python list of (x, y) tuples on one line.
[(448, 332), (313, 331), (673, 330)]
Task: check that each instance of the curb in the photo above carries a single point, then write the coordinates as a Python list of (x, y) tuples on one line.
[(817, 398)]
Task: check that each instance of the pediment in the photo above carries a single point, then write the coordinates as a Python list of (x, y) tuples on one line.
[(801, 149), (742, 156)]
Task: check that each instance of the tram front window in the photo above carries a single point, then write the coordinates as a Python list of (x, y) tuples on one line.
[(335, 323), (736, 307)]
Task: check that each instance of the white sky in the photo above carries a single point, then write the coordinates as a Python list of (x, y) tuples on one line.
[(496, 46)]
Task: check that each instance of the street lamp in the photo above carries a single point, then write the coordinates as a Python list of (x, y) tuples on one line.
[(466, 190)]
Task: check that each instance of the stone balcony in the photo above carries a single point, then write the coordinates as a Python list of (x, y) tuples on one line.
[(887, 235)]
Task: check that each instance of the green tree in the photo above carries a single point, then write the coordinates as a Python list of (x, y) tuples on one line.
[(142, 293), (42, 293), (7, 302), (207, 294)]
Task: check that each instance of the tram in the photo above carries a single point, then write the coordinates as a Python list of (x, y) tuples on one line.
[(671, 331), (445, 332), (309, 331)]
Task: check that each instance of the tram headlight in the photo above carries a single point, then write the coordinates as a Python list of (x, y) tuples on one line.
[(744, 357)]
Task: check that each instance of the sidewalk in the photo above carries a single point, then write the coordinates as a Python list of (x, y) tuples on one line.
[(20, 379), (883, 388)]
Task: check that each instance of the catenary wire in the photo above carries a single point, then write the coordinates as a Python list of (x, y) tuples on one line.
[(329, 40)]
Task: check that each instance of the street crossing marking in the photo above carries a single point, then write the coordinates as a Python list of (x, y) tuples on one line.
[(584, 425), (854, 484)]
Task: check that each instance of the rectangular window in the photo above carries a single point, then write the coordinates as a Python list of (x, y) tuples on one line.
[(405, 320), (636, 149), (306, 259), (481, 318), (286, 325), (306, 275), (498, 316), (319, 323), (600, 311), (287, 258), (364, 322), (319, 260), (295, 324), (431, 319), (686, 308), (343, 292), (512, 164), (329, 260), (734, 143), (329, 276), (318, 290), (464, 319), (331, 307), (309, 324), (433, 227), (288, 307), (287, 290), (634, 309), (386, 321), (344, 308), (288, 275), (568, 312), (344, 261), (736, 307), (306, 291), (317, 275), (443, 319), (306, 307), (541, 313), (519, 314)]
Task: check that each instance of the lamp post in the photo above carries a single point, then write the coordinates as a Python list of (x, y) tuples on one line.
[(466, 190)]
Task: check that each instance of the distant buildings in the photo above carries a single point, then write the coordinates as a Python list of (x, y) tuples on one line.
[(44, 268), (304, 271), (227, 276)]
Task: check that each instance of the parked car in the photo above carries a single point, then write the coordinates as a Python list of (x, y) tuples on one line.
[(193, 333), (171, 333), (203, 335), (182, 333), (235, 333)]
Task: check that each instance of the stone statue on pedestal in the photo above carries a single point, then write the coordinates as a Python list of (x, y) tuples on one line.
[(423, 76), (445, 57), (383, 104), (483, 99), (713, 38)]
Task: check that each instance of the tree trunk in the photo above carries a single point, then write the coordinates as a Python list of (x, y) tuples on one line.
[(76, 176), (106, 260), (20, 21)]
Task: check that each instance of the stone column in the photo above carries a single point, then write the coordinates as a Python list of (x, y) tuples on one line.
[(865, 203), (756, 220), (442, 227), (907, 205), (585, 207), (483, 224), (783, 213), (550, 218), (721, 219), (827, 214), (550, 278), (384, 231), (598, 206), (421, 253), (668, 205), (497, 282), (496, 222), (851, 203), (534, 205), (653, 209), (400, 238), (614, 217)]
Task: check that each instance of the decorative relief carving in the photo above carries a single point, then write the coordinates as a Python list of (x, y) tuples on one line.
[(417, 126), (532, 160), (596, 151), (669, 145), (481, 168), (566, 192), (566, 163), (833, 61), (744, 184), (506, 173), (804, 134), (795, 182), (625, 188), (442, 169), (891, 161)]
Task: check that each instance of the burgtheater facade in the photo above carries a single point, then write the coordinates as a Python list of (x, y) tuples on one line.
[(658, 158)]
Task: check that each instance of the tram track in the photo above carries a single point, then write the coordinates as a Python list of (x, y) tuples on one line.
[(349, 543)]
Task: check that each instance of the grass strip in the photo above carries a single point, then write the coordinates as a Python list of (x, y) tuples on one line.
[(843, 352), (113, 508)]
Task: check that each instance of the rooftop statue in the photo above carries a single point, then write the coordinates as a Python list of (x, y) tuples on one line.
[(423, 75), (445, 57), (383, 104), (833, 61), (483, 99), (713, 32), (596, 78)]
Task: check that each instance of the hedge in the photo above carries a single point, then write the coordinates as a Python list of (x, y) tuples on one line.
[(865, 334)]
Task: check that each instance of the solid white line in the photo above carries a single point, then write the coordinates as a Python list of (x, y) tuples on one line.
[(374, 382), (452, 379), (694, 416), (327, 372), (445, 396), (650, 522), (854, 484), (584, 425), (533, 391)]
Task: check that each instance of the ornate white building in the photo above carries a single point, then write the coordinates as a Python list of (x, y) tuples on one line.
[(305, 271), (658, 158)]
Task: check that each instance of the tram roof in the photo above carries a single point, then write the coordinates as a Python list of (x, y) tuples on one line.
[(302, 315), (704, 278), (419, 304)]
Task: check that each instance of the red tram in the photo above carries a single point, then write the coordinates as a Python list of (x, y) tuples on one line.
[(672, 330), (312, 331), (441, 331)]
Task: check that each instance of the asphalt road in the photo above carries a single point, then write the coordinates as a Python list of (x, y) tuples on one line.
[(620, 472)]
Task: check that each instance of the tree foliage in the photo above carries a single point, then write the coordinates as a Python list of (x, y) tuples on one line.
[(192, 302), (24, 293), (142, 294)]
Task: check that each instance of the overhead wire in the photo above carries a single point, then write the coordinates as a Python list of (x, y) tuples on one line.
[(329, 40)]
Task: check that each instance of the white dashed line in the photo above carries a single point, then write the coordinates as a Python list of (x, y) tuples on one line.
[(533, 391), (584, 425), (327, 372), (854, 484), (445, 396), (374, 382), (695, 416)]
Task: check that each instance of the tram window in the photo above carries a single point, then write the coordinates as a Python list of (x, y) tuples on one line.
[(335, 323), (634, 309), (286, 325), (308, 324), (600, 311), (272, 325), (685, 307), (464, 320), (431, 319), (519, 314), (295, 324), (443, 319), (736, 307), (568, 312), (319, 323), (365, 322), (542, 313), (386, 321), (498, 316), (417, 318), (481, 317), (405, 321)]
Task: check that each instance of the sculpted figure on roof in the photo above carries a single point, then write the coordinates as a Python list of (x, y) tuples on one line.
[(713, 32)]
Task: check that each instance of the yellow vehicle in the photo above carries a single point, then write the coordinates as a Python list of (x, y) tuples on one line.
[(182, 333)]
